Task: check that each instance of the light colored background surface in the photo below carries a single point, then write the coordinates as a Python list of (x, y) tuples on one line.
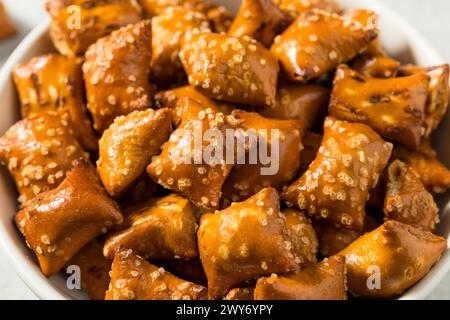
[(429, 17)]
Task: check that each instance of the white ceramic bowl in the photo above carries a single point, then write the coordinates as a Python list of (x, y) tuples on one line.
[(398, 36)]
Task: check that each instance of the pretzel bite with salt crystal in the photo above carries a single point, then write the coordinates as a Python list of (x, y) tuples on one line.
[(94, 269), (407, 200), (128, 145), (245, 294), (434, 174), (116, 72), (389, 260), (219, 17), (374, 62), (260, 19), (163, 228), (303, 237), (293, 8), (317, 42), (297, 101), (231, 69), (333, 240), (337, 183), (52, 82), (39, 152), (7, 28), (438, 93), (395, 107), (133, 278), (76, 24), (167, 30), (282, 137), (246, 240), (196, 170), (323, 281), (58, 223), (174, 98)]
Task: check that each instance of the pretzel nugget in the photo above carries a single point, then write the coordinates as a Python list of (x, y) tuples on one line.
[(232, 69), (116, 72), (57, 224), (247, 179), (76, 24), (259, 19), (162, 228), (438, 93), (394, 107), (167, 30), (434, 174), (180, 169), (7, 28), (246, 240), (390, 259), (323, 281), (317, 42), (219, 17), (407, 200), (94, 268), (174, 99), (297, 101), (53, 82), (127, 147), (374, 62), (133, 278), (337, 183), (39, 152)]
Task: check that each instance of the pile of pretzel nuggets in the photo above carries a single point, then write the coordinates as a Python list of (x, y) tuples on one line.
[(349, 213)]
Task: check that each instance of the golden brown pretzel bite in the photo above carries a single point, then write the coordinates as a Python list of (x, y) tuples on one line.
[(259, 19), (39, 152), (247, 179), (293, 8), (76, 24), (7, 28), (438, 94), (116, 72), (323, 281), (162, 228), (128, 145), (94, 268), (390, 259), (246, 240), (240, 294), (58, 223), (337, 183), (395, 107), (232, 69), (133, 278), (333, 240), (374, 62), (407, 200), (167, 30), (52, 82), (174, 98), (317, 42), (297, 101), (219, 17), (178, 167), (434, 174), (303, 237)]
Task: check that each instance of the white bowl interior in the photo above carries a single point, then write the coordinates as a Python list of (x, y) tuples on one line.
[(400, 40)]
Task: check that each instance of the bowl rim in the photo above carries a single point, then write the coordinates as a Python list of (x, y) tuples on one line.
[(26, 268)]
